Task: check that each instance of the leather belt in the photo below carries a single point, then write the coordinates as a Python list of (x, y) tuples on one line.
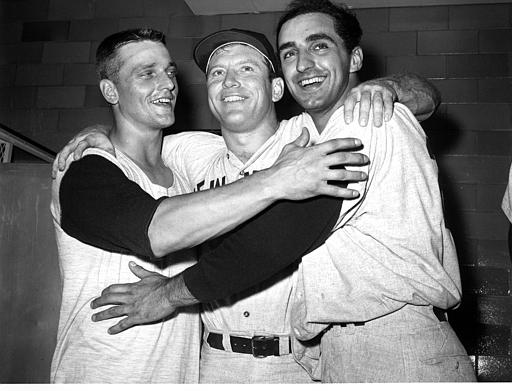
[(259, 346)]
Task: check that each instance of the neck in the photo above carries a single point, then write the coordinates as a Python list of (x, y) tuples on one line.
[(245, 143), (322, 117), (144, 147)]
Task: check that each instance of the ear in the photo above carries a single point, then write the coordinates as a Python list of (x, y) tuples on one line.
[(356, 59), (109, 91), (277, 89)]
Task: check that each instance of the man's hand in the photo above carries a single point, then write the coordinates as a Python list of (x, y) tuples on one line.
[(153, 298), (377, 95), (302, 172), (92, 136)]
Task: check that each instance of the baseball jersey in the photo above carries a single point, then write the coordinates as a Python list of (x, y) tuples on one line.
[(162, 352), (205, 160), (392, 248)]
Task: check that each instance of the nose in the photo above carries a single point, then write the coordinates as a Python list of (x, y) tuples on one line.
[(230, 80), (168, 82), (304, 61)]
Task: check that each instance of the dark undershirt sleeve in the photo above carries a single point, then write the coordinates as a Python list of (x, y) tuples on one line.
[(101, 207), (262, 246)]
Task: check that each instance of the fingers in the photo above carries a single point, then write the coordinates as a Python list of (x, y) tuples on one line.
[(350, 104), (339, 192), (378, 108), (55, 167), (388, 109), (342, 175), (65, 152), (346, 159), (79, 150), (337, 144), (364, 107), (122, 325), (303, 139), (139, 271), (115, 312), (112, 312), (107, 299), (114, 294)]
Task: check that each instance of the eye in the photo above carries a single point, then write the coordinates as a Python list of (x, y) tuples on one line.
[(147, 74), (215, 72), (247, 68), (172, 73), (288, 54), (320, 46)]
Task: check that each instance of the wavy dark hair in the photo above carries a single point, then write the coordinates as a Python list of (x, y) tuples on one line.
[(345, 21)]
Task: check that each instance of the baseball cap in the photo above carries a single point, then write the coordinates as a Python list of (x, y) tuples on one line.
[(208, 45)]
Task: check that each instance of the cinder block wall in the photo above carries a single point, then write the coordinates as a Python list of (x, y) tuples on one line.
[(48, 92)]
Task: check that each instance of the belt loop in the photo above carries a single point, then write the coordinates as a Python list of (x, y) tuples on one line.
[(285, 345), (226, 342)]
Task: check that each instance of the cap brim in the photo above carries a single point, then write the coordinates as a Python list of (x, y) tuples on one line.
[(205, 48)]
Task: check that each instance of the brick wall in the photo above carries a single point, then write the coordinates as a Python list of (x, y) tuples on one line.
[(48, 92)]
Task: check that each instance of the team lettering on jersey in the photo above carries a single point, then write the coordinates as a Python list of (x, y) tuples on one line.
[(215, 182)]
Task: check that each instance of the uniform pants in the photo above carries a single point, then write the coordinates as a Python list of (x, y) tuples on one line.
[(219, 366), (410, 345)]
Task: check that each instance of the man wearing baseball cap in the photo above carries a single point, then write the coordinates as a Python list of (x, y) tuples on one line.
[(247, 337)]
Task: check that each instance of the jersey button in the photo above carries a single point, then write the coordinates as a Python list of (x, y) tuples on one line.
[(246, 314), (241, 173)]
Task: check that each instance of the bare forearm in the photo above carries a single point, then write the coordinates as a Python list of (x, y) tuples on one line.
[(415, 92), (299, 173), (187, 220)]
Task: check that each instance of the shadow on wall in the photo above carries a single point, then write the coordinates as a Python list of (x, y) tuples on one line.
[(464, 319), (30, 287)]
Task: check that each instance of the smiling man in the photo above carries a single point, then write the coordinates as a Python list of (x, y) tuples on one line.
[(378, 290)]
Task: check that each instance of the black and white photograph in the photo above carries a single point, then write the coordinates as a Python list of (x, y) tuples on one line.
[(281, 192)]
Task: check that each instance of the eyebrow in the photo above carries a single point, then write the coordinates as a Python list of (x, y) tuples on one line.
[(309, 38), (171, 64)]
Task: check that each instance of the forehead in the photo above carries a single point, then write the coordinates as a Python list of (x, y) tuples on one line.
[(235, 53), (305, 25), (143, 53)]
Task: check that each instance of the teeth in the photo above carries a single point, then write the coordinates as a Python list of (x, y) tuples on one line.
[(307, 82), (163, 101), (233, 99)]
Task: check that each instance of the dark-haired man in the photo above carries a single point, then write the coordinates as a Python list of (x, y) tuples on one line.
[(378, 289), (110, 210)]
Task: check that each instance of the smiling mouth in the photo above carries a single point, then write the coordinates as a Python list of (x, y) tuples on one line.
[(162, 101), (234, 98), (311, 81)]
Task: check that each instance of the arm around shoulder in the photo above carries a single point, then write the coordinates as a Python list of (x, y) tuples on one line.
[(415, 92)]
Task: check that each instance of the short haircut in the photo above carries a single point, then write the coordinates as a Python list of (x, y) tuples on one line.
[(345, 21), (107, 61)]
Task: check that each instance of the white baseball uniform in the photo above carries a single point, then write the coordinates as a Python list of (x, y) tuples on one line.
[(163, 352)]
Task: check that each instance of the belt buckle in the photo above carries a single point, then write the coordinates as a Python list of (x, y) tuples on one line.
[(260, 346)]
